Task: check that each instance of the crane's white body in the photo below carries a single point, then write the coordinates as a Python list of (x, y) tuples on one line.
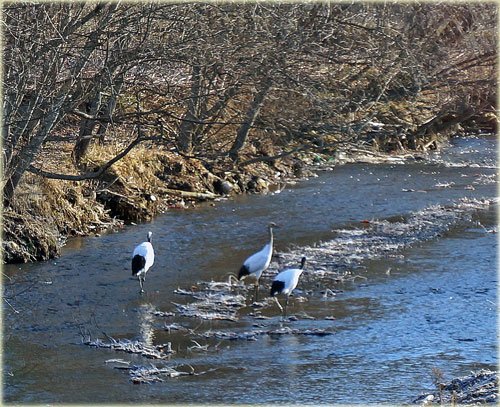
[(285, 282), (290, 279), (258, 262), (145, 250), (143, 258)]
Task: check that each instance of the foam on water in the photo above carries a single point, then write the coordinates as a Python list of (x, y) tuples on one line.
[(384, 237)]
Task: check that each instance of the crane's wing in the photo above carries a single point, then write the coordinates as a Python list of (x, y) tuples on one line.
[(289, 278), (259, 260), (146, 250)]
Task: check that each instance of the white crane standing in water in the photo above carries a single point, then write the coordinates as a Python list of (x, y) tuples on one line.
[(285, 282), (142, 260), (258, 262)]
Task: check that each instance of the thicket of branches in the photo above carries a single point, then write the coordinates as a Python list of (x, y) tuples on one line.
[(208, 78)]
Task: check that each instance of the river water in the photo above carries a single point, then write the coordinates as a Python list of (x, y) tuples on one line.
[(414, 243)]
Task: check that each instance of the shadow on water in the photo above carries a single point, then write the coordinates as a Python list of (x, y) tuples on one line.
[(431, 304)]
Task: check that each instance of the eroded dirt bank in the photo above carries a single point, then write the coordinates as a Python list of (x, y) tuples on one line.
[(149, 181)]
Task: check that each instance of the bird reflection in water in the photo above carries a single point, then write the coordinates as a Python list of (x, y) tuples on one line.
[(146, 320)]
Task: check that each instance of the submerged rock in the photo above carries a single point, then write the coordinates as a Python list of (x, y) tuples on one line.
[(223, 187), (257, 185), (253, 334)]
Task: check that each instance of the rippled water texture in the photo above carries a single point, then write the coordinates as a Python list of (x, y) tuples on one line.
[(423, 298)]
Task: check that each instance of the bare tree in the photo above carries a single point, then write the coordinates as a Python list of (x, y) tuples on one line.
[(44, 75), (213, 78)]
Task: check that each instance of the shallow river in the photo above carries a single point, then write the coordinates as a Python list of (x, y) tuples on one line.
[(409, 309)]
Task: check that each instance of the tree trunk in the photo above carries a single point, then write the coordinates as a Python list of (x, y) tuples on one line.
[(24, 158), (67, 93), (218, 107), (86, 129), (31, 116), (250, 116), (110, 108), (188, 126)]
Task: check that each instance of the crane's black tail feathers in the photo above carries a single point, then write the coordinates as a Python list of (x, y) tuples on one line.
[(277, 287), (244, 271), (138, 263)]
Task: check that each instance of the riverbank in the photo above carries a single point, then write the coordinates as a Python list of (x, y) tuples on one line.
[(150, 180)]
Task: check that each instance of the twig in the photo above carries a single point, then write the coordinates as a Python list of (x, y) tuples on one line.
[(10, 279), (10, 305)]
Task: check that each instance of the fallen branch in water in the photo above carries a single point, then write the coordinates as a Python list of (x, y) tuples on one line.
[(143, 374), (214, 301), (175, 327), (193, 310), (136, 347), (188, 194), (157, 313), (152, 374), (252, 335)]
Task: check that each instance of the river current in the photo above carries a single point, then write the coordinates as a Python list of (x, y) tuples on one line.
[(415, 245)]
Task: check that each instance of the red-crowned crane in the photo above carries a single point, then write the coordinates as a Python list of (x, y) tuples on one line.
[(142, 260), (258, 262), (285, 282)]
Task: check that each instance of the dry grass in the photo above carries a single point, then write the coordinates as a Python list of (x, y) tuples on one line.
[(137, 170), (46, 211)]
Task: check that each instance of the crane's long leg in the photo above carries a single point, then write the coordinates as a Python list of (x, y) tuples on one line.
[(141, 282), (256, 291), (286, 306), (277, 302)]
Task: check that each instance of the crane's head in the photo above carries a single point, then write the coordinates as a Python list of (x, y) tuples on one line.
[(150, 235), (302, 263), (272, 225)]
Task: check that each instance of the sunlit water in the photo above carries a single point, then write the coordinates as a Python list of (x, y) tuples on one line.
[(429, 305)]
